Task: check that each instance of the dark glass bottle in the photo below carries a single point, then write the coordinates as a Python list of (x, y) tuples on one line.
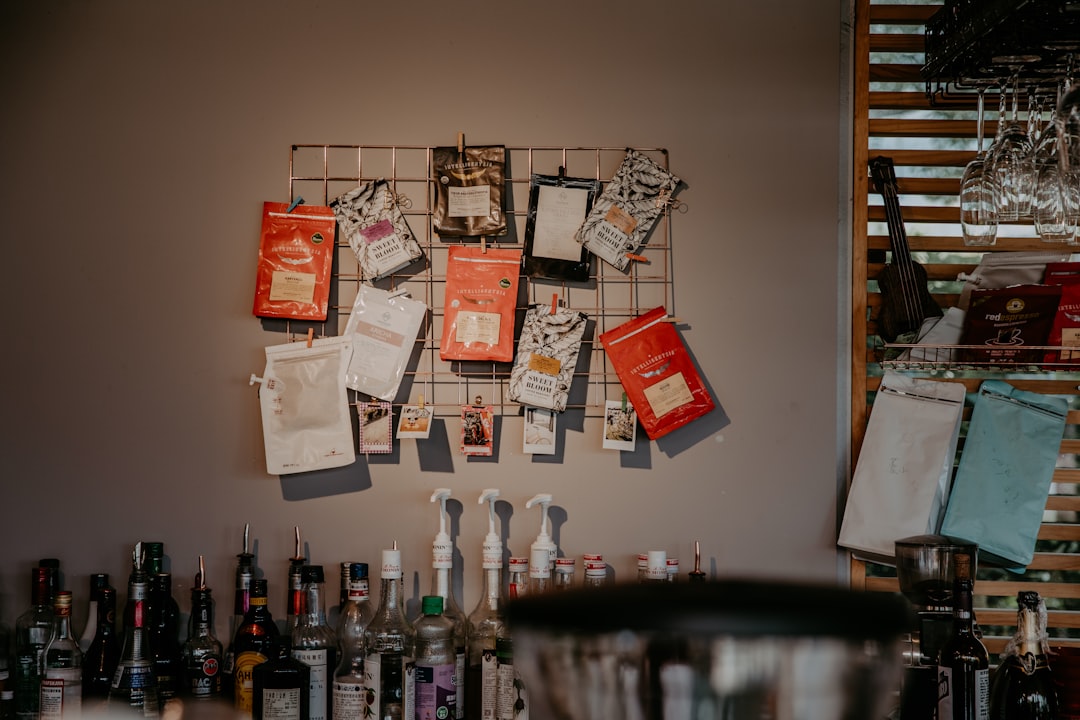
[(1024, 687), (281, 685), (202, 653), (32, 630), (165, 637), (103, 655), (253, 644), (963, 665), (97, 582), (133, 690), (245, 571)]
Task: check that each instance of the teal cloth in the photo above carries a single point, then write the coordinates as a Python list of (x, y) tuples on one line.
[(1004, 475)]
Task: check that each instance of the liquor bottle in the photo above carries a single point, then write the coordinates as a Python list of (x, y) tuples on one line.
[(245, 562), (202, 653), (61, 681), (333, 614), (349, 695), (518, 581), (97, 582), (963, 665), (103, 655), (564, 573), (253, 644), (539, 571), (52, 568), (595, 570), (7, 700), (390, 640), (486, 626), (436, 662), (442, 565), (133, 689), (32, 630), (672, 569), (1024, 687), (510, 702), (293, 598), (314, 643), (165, 637), (281, 685), (155, 557)]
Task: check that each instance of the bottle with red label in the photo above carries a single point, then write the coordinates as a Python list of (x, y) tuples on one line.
[(61, 681), (134, 687), (202, 652)]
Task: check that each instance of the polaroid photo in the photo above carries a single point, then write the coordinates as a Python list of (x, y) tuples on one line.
[(415, 422), (620, 426), (539, 431), (376, 427), (477, 430)]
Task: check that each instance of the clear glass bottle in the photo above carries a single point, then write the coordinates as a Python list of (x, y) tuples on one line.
[(595, 571), (486, 626), (98, 581), (61, 681), (963, 664), (442, 586), (436, 662), (518, 581), (32, 630), (390, 641), (314, 643), (1023, 684), (253, 644), (103, 655), (202, 651), (539, 571), (672, 570), (350, 686), (564, 573), (281, 686), (165, 637), (133, 690)]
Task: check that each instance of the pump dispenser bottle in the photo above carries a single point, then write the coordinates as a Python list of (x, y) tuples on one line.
[(486, 625), (442, 564), (543, 538)]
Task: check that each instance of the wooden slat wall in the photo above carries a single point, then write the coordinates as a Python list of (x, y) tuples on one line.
[(891, 120)]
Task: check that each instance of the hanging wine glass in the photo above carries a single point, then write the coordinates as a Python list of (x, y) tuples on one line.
[(1055, 219), (1013, 166), (978, 194)]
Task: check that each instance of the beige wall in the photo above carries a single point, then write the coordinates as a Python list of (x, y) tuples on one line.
[(140, 140)]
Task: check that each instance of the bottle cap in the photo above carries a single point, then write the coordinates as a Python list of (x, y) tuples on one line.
[(657, 565), (62, 602), (564, 565), (358, 571), (518, 564), (391, 565), (258, 587), (432, 605), (311, 574)]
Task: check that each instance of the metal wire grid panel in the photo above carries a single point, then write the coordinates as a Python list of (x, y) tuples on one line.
[(320, 173)]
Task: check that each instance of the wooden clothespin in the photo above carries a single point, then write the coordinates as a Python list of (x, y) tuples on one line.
[(483, 244), (554, 303), (310, 336), (294, 203), (637, 258), (478, 401), (461, 143), (420, 401), (624, 402)]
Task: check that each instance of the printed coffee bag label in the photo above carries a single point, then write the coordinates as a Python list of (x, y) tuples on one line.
[(1002, 325), (469, 191)]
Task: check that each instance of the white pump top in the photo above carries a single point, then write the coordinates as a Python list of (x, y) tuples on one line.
[(543, 538), (493, 548), (442, 549)]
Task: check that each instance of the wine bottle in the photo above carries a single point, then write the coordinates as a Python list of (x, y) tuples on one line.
[(32, 630), (165, 637), (103, 655), (61, 681), (202, 653), (1023, 687), (97, 582), (253, 645), (314, 643), (350, 692), (281, 685), (133, 690), (390, 640), (436, 662), (963, 665)]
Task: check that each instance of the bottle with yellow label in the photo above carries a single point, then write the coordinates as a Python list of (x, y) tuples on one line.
[(253, 644)]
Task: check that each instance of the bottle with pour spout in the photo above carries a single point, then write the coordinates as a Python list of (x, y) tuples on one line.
[(389, 641), (442, 563), (543, 537), (486, 626), (245, 571)]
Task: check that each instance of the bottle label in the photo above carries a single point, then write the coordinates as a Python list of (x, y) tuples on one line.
[(281, 704), (204, 678), (27, 682), (510, 701), (316, 662), (135, 683), (459, 682), (436, 692), (243, 681), (391, 680), (489, 685), (963, 693), (60, 694), (349, 700)]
